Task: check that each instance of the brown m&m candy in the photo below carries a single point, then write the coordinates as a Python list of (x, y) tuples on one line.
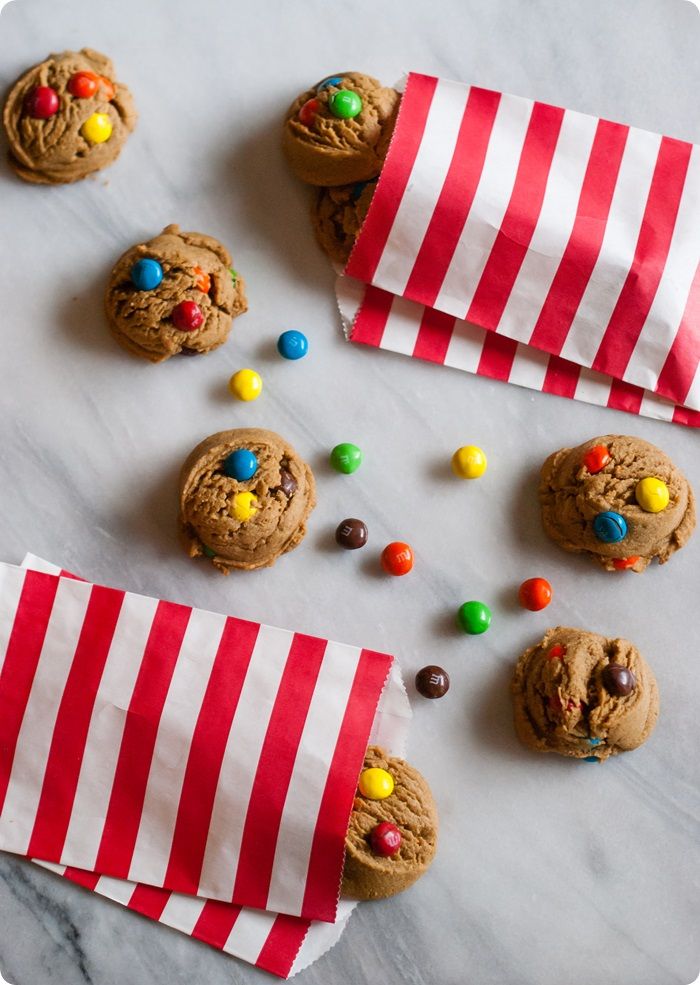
[(619, 680), (351, 534), (432, 682), (288, 484)]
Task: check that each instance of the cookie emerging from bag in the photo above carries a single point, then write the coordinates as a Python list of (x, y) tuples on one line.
[(392, 837), (67, 117), (618, 499), (338, 132), (176, 293), (245, 497), (582, 695), (337, 216)]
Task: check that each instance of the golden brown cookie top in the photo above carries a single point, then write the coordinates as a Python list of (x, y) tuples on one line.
[(67, 117)]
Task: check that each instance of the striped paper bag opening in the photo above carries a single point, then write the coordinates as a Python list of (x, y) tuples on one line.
[(536, 245)]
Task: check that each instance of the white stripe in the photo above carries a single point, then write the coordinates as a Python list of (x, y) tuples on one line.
[(466, 344), (36, 733), (554, 226), (657, 407), (11, 585), (489, 206), (309, 775), (402, 326), (593, 388), (392, 717), (320, 937), (424, 186), (249, 934), (172, 746), (182, 912), (617, 251), (240, 760), (529, 367), (35, 563), (119, 890)]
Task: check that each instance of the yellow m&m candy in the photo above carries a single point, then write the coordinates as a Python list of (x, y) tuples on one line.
[(652, 494), (246, 384), (245, 506), (97, 128), (469, 462), (376, 783)]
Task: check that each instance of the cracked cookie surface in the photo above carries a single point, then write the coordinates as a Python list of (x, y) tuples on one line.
[(337, 215)]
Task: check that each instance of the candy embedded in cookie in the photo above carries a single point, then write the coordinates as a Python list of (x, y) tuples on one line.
[(337, 215), (618, 499), (338, 132), (392, 837), (173, 294), (245, 497), (581, 695), (66, 118)]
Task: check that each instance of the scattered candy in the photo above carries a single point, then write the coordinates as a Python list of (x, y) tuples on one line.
[(556, 652), (385, 839), (292, 345), (41, 102), (469, 462), (618, 680), (610, 527), (535, 594), (288, 484), (241, 465), (376, 783), (332, 80), (83, 85), (246, 384), (245, 506), (351, 534), (432, 682), (307, 113), (474, 617), (187, 316), (652, 494), (346, 458), (397, 558), (97, 128), (202, 280), (345, 104), (596, 458), (146, 274), (208, 552), (622, 563)]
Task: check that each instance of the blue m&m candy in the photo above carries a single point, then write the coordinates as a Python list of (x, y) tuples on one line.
[(292, 345), (146, 274), (241, 465), (332, 80), (610, 527)]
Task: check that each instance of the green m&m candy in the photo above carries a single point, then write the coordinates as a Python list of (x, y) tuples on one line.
[(346, 458), (474, 617), (345, 104)]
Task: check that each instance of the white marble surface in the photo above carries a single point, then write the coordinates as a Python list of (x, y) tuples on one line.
[(549, 872)]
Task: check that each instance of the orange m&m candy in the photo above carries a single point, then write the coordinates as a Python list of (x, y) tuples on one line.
[(623, 563), (107, 86), (535, 594), (202, 280), (83, 85), (397, 558), (596, 458)]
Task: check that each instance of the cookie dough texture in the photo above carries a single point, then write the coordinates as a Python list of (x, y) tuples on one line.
[(412, 809), (141, 320), (561, 705), (570, 498), (331, 151), (54, 151), (284, 487), (337, 216)]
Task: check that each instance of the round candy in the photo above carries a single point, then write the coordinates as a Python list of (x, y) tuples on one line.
[(332, 80), (345, 104), (652, 494), (288, 484), (146, 274), (385, 839), (596, 458), (292, 345), (97, 128), (83, 85), (41, 102), (535, 594), (351, 534), (469, 462), (107, 86), (346, 458), (618, 680), (241, 465), (187, 316), (610, 527), (307, 113), (376, 783), (623, 563), (246, 384), (397, 558), (244, 506), (474, 617), (432, 682)]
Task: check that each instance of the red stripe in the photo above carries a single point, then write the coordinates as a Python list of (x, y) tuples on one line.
[(328, 848), (678, 372), (206, 754), (586, 240), (434, 336), (68, 574), (497, 355), (149, 901), (72, 724), (282, 945), (139, 737), (561, 377), (625, 396), (370, 320), (216, 922), (518, 226), (683, 415), (274, 770), (21, 660), (408, 134), (82, 877), (456, 197), (653, 244)]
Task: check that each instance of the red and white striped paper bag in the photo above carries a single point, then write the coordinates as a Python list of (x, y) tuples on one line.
[(535, 244)]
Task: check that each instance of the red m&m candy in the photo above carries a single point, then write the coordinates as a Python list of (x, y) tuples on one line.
[(397, 558), (556, 652), (187, 316), (307, 113), (535, 594), (596, 458), (41, 102), (83, 85), (385, 839)]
